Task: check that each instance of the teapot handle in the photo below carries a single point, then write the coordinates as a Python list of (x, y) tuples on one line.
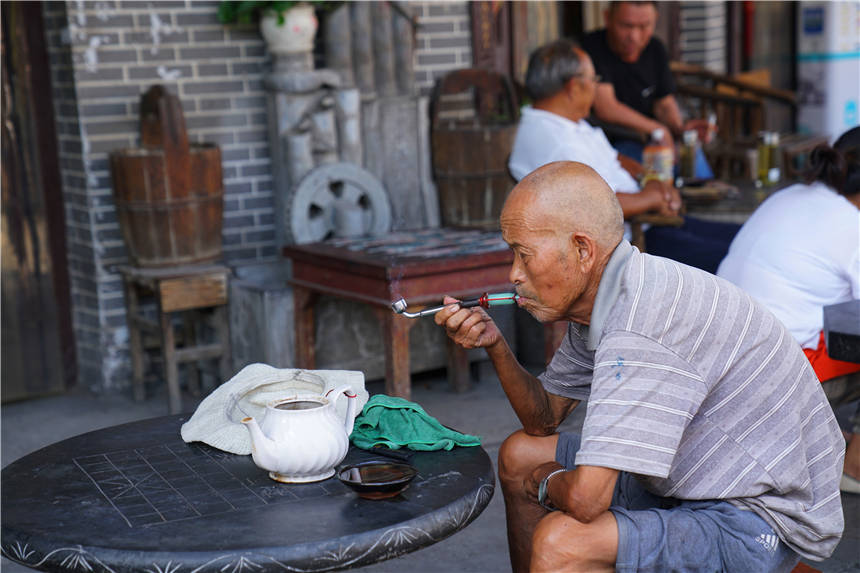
[(350, 406)]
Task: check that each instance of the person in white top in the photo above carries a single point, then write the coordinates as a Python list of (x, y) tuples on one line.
[(562, 84), (800, 252)]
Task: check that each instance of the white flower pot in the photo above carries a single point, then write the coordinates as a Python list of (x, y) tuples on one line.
[(297, 33)]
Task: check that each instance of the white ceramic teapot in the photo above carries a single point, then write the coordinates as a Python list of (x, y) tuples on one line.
[(301, 438)]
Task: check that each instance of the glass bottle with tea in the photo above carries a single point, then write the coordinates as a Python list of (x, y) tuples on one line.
[(689, 147), (768, 159)]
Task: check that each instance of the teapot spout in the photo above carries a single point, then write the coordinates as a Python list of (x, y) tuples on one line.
[(263, 449)]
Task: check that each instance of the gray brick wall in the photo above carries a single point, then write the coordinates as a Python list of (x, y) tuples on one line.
[(443, 41), (104, 54), (703, 34)]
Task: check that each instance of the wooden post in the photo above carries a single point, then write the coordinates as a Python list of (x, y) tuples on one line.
[(459, 375), (404, 40), (189, 338), (171, 369), (135, 340), (362, 47), (395, 336), (338, 44), (303, 303), (222, 329), (383, 50)]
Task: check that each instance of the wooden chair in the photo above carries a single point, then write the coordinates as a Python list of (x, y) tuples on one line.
[(638, 233)]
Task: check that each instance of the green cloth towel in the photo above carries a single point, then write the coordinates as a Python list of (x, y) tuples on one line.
[(395, 422)]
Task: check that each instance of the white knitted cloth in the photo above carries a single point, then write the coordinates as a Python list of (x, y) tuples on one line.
[(217, 420)]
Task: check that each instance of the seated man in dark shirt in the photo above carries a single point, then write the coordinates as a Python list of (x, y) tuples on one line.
[(637, 88)]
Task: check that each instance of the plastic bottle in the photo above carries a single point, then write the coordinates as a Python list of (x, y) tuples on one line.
[(658, 157), (712, 127), (688, 154)]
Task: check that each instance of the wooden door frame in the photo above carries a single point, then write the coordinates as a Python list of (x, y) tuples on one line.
[(29, 37)]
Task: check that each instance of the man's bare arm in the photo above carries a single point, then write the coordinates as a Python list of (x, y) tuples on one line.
[(668, 113), (631, 166), (609, 109), (583, 493), (539, 412)]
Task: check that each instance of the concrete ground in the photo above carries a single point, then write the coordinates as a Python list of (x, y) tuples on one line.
[(483, 410)]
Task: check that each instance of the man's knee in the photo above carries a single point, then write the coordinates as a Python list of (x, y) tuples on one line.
[(561, 543), (556, 542), (519, 455)]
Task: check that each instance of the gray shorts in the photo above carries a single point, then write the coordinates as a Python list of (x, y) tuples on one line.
[(664, 534)]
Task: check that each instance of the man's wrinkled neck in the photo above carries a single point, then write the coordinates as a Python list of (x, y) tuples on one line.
[(584, 306)]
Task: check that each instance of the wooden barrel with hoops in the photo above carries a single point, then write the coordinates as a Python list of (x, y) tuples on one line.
[(169, 194), (470, 150)]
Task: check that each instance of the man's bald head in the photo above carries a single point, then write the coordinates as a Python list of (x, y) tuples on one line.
[(568, 197)]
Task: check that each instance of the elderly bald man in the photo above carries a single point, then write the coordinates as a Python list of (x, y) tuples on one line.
[(708, 443)]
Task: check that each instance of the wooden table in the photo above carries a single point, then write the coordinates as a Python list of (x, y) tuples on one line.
[(189, 290), (421, 266), (737, 203), (736, 206), (136, 497)]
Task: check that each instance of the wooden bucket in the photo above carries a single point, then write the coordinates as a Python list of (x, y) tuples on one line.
[(169, 195), (470, 157)]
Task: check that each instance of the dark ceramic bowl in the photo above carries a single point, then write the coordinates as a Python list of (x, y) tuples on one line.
[(377, 479)]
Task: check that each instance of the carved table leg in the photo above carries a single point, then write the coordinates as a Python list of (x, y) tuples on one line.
[(303, 303), (395, 336), (459, 375)]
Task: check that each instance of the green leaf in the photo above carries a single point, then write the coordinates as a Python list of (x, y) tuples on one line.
[(246, 11)]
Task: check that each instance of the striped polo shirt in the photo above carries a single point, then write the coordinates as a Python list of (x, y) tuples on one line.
[(704, 394)]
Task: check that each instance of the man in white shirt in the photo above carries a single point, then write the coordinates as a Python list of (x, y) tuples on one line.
[(562, 84)]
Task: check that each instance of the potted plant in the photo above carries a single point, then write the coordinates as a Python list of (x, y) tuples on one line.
[(288, 26)]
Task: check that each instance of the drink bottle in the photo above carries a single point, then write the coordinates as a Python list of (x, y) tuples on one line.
[(658, 157), (768, 159), (688, 154)]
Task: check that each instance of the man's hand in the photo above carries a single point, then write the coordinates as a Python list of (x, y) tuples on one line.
[(468, 327), (668, 139), (701, 126), (666, 200), (532, 483)]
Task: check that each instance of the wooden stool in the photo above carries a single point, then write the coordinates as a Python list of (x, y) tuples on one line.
[(188, 289)]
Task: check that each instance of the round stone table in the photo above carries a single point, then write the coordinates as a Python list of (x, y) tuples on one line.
[(136, 497)]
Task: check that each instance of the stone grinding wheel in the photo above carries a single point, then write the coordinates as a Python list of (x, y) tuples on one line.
[(338, 200)]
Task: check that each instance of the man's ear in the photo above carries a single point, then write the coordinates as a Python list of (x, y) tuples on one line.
[(570, 88), (584, 249)]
